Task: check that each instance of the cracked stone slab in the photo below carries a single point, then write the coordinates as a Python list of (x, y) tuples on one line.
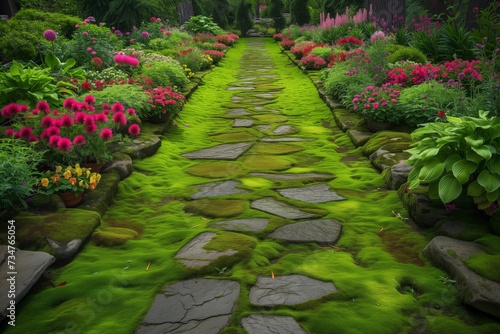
[(284, 130), (288, 290), (192, 306), (242, 123), (241, 88), (286, 139), (221, 188), (244, 224), (269, 324), (272, 206), (318, 193), (293, 176), (222, 152), (29, 267), (193, 255), (321, 231)]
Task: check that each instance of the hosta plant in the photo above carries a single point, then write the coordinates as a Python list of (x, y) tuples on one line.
[(457, 156)]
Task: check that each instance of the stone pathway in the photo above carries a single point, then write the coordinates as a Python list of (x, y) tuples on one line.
[(204, 305)]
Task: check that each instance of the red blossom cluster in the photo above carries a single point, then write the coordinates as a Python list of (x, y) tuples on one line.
[(216, 55), (287, 43), (123, 59), (350, 42), (218, 46), (302, 49), (313, 62)]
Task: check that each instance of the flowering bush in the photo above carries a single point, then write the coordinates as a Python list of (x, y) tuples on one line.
[(215, 55), (163, 101), (228, 40), (378, 104), (287, 43), (278, 37), (78, 133), (350, 42), (313, 62), (218, 46), (71, 179), (302, 49)]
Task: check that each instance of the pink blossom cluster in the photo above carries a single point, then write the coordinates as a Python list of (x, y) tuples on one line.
[(123, 59), (361, 15), (313, 62), (218, 46)]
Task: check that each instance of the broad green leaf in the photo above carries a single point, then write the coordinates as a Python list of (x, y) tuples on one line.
[(489, 181), (450, 161), (433, 190), (463, 169), (483, 151), (51, 61), (494, 165), (431, 171), (493, 196), (475, 189), (430, 152), (474, 141), (414, 183), (449, 188), (473, 156)]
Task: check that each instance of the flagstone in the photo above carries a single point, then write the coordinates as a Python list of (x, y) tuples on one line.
[(223, 152), (221, 188), (244, 224), (318, 193), (320, 231), (281, 209), (269, 324)]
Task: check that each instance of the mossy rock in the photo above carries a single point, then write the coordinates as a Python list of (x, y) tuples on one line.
[(216, 208), (389, 159), (270, 118), (276, 148), (51, 203), (121, 164), (235, 137), (266, 162), (113, 236), (99, 199), (216, 169), (346, 120), (142, 147), (63, 225), (390, 141)]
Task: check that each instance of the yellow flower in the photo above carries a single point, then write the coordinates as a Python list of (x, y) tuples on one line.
[(93, 185), (58, 169), (98, 178), (67, 174), (80, 184), (88, 174), (45, 182), (77, 166), (55, 178)]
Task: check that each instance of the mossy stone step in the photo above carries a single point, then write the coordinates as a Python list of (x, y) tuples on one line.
[(222, 188), (222, 152), (281, 209), (243, 225), (318, 193), (271, 324), (322, 231)]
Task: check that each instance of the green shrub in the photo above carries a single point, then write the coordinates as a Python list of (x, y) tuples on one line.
[(407, 53), (61, 23), (166, 74), (18, 163), (159, 44), (299, 12), (21, 40), (131, 96), (421, 103), (455, 41), (201, 24), (322, 51), (243, 19), (427, 42), (337, 82), (83, 39), (192, 60), (110, 73)]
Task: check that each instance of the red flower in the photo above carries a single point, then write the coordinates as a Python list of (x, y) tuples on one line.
[(79, 140), (53, 131), (106, 134), (9, 132), (119, 118), (47, 121), (66, 121), (25, 132), (117, 107), (91, 128), (80, 117), (68, 103), (33, 139), (105, 106), (43, 106), (134, 130), (89, 99), (11, 109), (441, 114), (88, 120), (131, 111), (64, 144), (53, 140), (102, 118)]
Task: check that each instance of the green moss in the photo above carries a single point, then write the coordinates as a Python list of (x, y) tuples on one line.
[(216, 169), (396, 141), (276, 148), (452, 253), (485, 265), (270, 118), (236, 136), (216, 207), (266, 162), (113, 236)]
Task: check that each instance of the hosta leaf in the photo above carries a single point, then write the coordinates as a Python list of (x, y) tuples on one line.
[(493, 196), (450, 161), (449, 188), (431, 171), (430, 152), (474, 141), (475, 189), (473, 156), (489, 181), (484, 151), (494, 165), (463, 169)]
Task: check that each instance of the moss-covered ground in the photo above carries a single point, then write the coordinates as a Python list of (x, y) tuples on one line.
[(385, 284)]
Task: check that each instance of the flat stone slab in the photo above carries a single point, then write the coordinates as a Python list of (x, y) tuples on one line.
[(290, 176), (241, 88), (284, 130), (192, 306), (263, 127), (28, 267), (359, 138), (321, 231), (238, 112), (286, 139), (288, 290), (221, 188), (193, 255), (318, 193), (473, 289), (272, 206), (222, 152), (242, 123), (244, 224), (269, 324)]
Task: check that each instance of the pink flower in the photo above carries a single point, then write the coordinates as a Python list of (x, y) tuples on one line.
[(89, 49), (68, 103), (117, 107), (53, 140), (89, 99), (43, 106), (106, 134), (367, 106), (145, 34), (33, 139), (25, 132), (93, 53), (79, 140), (134, 130), (105, 106), (9, 132), (89, 119), (119, 118), (50, 35), (91, 128), (375, 105), (131, 111), (85, 33), (64, 144), (53, 131), (394, 101), (80, 117), (66, 121), (10, 110), (102, 118), (47, 121)]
